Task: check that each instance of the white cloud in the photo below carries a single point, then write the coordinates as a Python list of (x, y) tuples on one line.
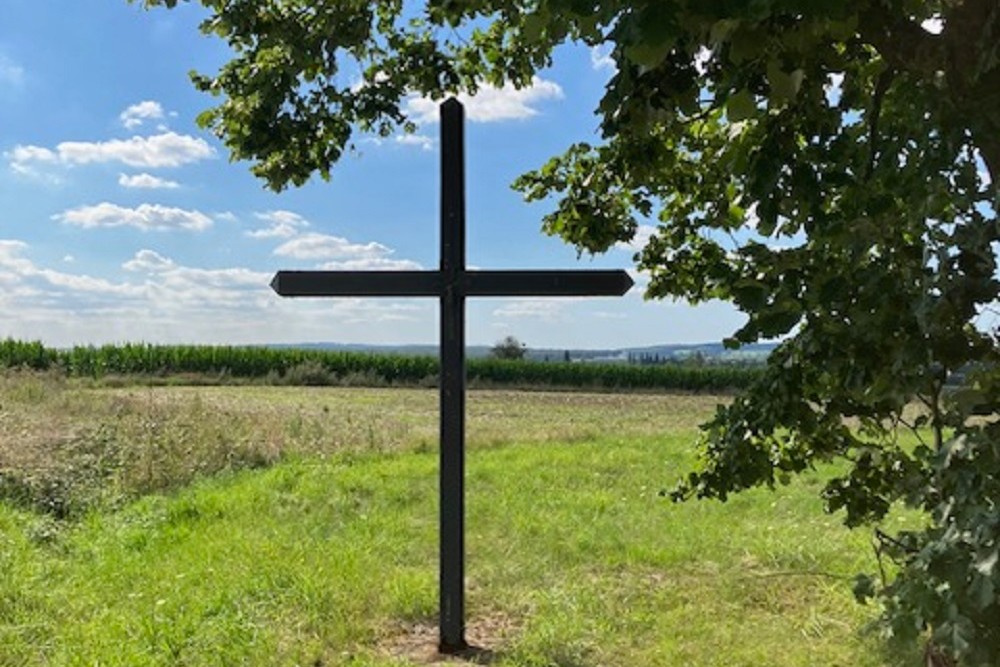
[(600, 58), (933, 25), (834, 88), (420, 140), (324, 246), (159, 150), (640, 283), (22, 154), (146, 181), (145, 217), (225, 216), (639, 241), (10, 249), (282, 224), (702, 58), (981, 169), (161, 300), (10, 72), (83, 283), (137, 114), (751, 219), (149, 261), (366, 313), (23, 158), (490, 104), (372, 264), (14, 268), (547, 310)]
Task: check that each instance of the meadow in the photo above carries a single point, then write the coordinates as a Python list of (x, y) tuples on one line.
[(263, 525)]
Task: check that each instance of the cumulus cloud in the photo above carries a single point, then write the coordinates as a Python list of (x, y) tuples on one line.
[(145, 217), (324, 246), (281, 224), (146, 181), (16, 269), (148, 261), (137, 114), (10, 250), (23, 154), (168, 149), (160, 299), (23, 161), (160, 150), (490, 104)]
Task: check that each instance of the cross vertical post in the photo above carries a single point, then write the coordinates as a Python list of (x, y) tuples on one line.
[(452, 399), (451, 284)]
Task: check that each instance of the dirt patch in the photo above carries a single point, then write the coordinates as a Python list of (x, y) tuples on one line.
[(487, 635)]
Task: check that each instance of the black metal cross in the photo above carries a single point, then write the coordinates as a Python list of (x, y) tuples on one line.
[(452, 283)]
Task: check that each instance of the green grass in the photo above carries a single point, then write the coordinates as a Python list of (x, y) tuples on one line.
[(328, 556)]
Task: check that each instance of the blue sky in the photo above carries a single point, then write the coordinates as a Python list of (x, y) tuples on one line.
[(122, 221)]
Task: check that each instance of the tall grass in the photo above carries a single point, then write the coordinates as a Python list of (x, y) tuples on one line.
[(319, 367), (67, 449)]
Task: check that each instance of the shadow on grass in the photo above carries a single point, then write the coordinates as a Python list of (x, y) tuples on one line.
[(893, 654), (478, 655)]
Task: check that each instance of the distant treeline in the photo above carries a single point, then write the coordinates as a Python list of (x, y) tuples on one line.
[(333, 367)]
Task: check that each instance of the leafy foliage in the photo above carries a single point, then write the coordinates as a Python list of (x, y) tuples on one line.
[(829, 167)]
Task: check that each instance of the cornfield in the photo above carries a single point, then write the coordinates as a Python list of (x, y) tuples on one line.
[(312, 366)]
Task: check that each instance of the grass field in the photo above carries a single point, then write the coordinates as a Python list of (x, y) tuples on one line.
[(296, 526)]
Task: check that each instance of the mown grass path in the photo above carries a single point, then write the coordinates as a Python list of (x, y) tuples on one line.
[(328, 556)]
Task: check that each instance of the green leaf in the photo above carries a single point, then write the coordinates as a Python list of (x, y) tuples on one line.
[(534, 24), (751, 295), (648, 54), (987, 564), (784, 86), (741, 106), (864, 587)]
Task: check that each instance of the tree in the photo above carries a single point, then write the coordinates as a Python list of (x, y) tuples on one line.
[(509, 348), (828, 166)]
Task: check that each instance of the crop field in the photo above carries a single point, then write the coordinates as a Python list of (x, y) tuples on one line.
[(262, 525), (208, 364)]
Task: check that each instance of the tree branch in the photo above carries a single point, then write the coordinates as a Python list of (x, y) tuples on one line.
[(955, 53), (902, 42)]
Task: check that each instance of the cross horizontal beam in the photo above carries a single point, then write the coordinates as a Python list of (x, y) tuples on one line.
[(469, 283)]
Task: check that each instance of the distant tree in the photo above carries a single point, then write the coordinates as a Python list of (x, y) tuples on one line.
[(830, 167), (509, 348)]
